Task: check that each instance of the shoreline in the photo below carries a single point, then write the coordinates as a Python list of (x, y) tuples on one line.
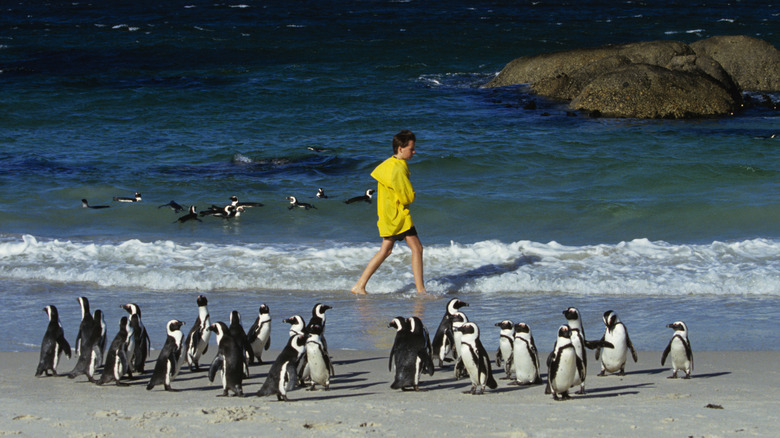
[(731, 393)]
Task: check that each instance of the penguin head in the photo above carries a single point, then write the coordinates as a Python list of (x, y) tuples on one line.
[(415, 324), (319, 310), (84, 303), (292, 199), (202, 301), (131, 308), (571, 314), (298, 342), (98, 315), (235, 317), (173, 325), (315, 329), (398, 323), (454, 304), (370, 192), (458, 319), (564, 332), (295, 320), (192, 209), (51, 311), (263, 310), (123, 323), (679, 326), (137, 196), (234, 199), (220, 329), (505, 324), (469, 330), (522, 327), (610, 319)]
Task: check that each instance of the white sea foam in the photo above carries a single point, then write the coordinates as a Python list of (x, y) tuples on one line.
[(638, 267)]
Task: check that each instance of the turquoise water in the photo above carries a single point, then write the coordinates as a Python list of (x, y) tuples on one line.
[(196, 102)]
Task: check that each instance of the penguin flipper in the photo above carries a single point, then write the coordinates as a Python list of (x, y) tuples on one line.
[(631, 347), (498, 356), (668, 349), (63, 343), (216, 365)]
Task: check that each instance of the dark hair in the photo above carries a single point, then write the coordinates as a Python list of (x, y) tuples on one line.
[(402, 139)]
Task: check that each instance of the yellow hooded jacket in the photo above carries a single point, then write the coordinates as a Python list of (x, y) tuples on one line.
[(394, 194)]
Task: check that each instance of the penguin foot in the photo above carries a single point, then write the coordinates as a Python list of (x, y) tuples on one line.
[(118, 383), (602, 373)]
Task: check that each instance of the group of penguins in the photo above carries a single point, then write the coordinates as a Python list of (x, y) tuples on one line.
[(231, 210), (305, 360)]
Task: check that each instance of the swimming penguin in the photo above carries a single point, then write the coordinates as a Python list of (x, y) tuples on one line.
[(197, 343), (321, 193), (458, 319), (174, 206), (443, 339), (525, 357), (475, 359), (297, 325), (234, 202), (116, 360), (680, 348), (320, 366), (240, 338), (282, 375), (613, 359), (53, 344), (506, 338), (85, 204), (229, 361), (364, 198), (136, 198), (259, 334), (168, 361), (294, 203), (565, 366), (139, 344), (189, 216)]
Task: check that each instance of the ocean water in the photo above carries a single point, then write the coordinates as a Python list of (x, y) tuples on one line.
[(523, 212)]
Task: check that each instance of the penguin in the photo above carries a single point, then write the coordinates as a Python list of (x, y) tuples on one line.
[(321, 194), (320, 366), (297, 325), (85, 204), (577, 338), (259, 334), (168, 361), (294, 203), (173, 205), (365, 198), (90, 353), (458, 319), (197, 343), (235, 203), (317, 318), (476, 359), (229, 361), (192, 215), (86, 324), (411, 353), (240, 338), (680, 348), (525, 357), (139, 345), (506, 339), (613, 359), (53, 344), (565, 365), (116, 360), (443, 339), (101, 344), (136, 198), (282, 375)]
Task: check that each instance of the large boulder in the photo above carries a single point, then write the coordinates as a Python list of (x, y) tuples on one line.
[(753, 64)]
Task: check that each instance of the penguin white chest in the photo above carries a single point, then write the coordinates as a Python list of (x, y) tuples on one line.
[(523, 360), (566, 372), (613, 359), (679, 356), (469, 356)]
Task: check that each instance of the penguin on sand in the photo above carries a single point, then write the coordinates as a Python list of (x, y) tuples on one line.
[(168, 361), (53, 344), (613, 359), (139, 345), (525, 357), (116, 360), (411, 353), (564, 366), (680, 349), (236, 331), (230, 361), (88, 339), (458, 319), (259, 334), (320, 366), (197, 343), (506, 339), (282, 375), (443, 339), (476, 359)]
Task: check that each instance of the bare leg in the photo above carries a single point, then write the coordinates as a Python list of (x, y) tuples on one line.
[(417, 263), (384, 251)]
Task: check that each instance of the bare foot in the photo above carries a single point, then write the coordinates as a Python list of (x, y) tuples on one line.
[(359, 290), (424, 295)]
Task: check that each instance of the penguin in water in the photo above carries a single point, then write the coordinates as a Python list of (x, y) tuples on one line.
[(321, 194), (192, 215), (411, 353), (136, 198), (139, 345), (85, 204), (259, 334), (297, 325), (295, 203), (240, 338), (443, 339), (565, 366), (525, 357), (365, 198), (680, 348), (282, 375), (319, 364), (53, 344), (476, 359), (613, 359), (168, 361), (173, 205), (229, 361), (235, 203), (89, 352), (116, 360), (506, 338), (197, 343)]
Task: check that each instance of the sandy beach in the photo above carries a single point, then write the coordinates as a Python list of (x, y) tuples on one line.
[(730, 394)]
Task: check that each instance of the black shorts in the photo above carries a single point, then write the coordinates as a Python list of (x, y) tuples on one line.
[(398, 237)]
